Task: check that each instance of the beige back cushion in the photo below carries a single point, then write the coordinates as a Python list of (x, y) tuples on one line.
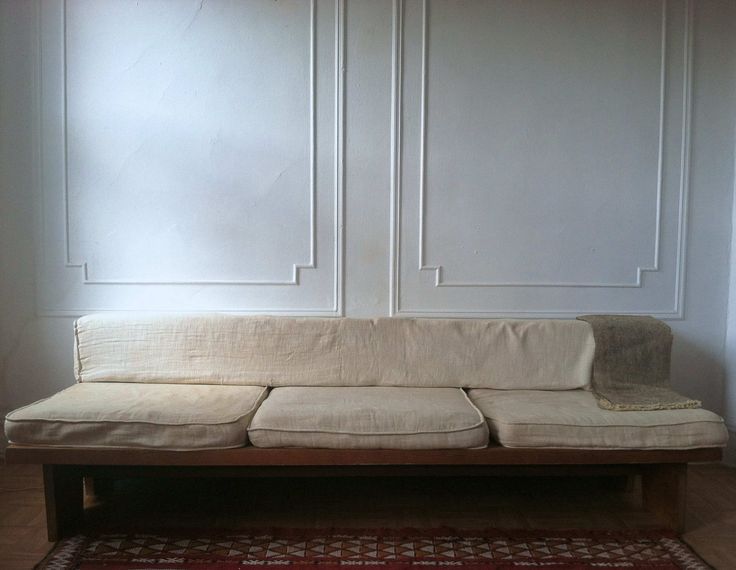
[(279, 351)]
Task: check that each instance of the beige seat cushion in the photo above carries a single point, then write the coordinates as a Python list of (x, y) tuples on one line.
[(150, 416), (572, 419), (368, 418)]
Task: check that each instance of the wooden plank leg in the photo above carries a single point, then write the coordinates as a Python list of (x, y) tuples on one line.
[(664, 488), (98, 487), (64, 495)]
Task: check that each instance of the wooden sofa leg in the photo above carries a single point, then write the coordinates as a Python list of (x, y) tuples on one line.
[(664, 488), (101, 488), (64, 495)]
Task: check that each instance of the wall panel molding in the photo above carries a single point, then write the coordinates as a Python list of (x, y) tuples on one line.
[(54, 173), (296, 267), (439, 278)]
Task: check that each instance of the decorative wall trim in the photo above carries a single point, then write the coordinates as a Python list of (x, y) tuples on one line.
[(339, 204), (296, 267), (397, 67), (685, 148), (396, 181), (438, 269), (337, 307)]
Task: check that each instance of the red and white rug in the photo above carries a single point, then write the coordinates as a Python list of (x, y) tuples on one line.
[(376, 550)]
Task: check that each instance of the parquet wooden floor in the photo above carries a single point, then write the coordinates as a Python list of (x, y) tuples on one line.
[(375, 502)]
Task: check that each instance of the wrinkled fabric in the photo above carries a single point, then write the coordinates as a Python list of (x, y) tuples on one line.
[(631, 366), (572, 419), (150, 416), (368, 418), (281, 351)]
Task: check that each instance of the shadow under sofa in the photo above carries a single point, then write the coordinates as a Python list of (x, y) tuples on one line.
[(182, 395)]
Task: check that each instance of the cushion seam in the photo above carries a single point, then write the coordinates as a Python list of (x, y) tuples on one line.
[(472, 405), (237, 419), (46, 445), (367, 433), (580, 426), (13, 412), (480, 423), (106, 421), (78, 353), (582, 447)]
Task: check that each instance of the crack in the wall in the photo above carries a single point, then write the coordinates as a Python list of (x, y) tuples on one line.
[(150, 47), (194, 17)]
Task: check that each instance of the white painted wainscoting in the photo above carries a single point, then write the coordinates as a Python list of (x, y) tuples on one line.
[(540, 157), (192, 156), (432, 158)]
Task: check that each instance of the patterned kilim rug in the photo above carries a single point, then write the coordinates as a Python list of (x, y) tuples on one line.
[(376, 549)]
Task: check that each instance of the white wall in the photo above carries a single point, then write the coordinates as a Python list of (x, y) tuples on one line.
[(17, 185), (729, 403), (473, 159), (700, 353)]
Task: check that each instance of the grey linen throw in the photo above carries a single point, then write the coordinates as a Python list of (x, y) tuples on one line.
[(631, 365)]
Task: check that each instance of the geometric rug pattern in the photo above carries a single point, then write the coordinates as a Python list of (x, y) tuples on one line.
[(364, 549)]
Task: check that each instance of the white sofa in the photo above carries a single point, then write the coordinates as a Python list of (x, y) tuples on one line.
[(254, 391)]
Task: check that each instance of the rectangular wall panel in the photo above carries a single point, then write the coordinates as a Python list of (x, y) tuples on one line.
[(540, 157), (192, 156)]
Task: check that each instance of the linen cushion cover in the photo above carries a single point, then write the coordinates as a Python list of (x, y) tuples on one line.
[(572, 419), (151, 416), (368, 418), (279, 351)]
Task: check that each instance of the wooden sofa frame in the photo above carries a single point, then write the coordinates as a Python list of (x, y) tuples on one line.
[(663, 472)]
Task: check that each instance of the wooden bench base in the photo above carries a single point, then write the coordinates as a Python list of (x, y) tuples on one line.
[(663, 472)]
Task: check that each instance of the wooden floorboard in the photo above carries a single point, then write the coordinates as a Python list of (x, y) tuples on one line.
[(553, 502)]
